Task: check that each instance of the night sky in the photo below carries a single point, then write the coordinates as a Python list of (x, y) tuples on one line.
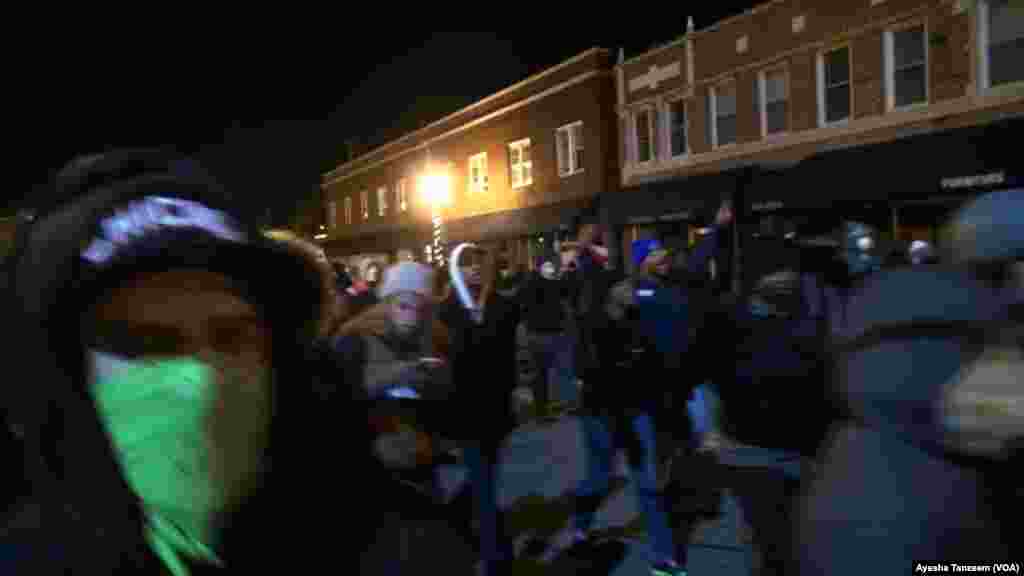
[(271, 113)]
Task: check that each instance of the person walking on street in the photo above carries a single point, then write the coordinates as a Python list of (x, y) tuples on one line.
[(652, 319), (543, 299), (484, 373)]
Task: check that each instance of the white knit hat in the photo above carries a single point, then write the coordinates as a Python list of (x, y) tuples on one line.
[(407, 277)]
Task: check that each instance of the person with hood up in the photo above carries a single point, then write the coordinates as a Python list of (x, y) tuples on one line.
[(170, 380), (484, 373), (654, 319), (924, 468)]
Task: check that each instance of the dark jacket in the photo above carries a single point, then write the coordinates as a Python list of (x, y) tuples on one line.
[(483, 363), (657, 324), (543, 304)]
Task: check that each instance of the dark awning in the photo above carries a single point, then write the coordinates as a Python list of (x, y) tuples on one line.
[(514, 223), (385, 241), (694, 198), (957, 162)]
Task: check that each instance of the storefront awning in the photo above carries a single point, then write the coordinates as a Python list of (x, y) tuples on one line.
[(383, 242), (958, 162), (693, 199), (514, 223)]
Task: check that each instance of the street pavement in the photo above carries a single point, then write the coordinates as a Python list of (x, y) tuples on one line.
[(543, 463)]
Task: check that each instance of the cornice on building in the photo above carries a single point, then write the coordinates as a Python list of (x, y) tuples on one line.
[(411, 136)]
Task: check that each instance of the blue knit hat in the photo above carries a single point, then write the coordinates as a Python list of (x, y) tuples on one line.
[(645, 247)]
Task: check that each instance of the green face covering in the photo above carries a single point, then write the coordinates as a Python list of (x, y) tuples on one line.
[(156, 412)]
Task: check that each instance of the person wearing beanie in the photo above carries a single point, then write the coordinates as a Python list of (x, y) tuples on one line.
[(651, 317)]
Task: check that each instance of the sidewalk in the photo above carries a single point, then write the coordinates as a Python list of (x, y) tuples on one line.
[(542, 464)]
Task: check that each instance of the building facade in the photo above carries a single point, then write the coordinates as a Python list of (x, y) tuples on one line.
[(508, 170), (791, 82)]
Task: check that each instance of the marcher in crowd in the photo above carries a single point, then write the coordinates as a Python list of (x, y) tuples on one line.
[(654, 338), (544, 299), (484, 372)]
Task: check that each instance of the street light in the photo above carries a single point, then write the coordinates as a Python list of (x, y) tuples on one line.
[(435, 188)]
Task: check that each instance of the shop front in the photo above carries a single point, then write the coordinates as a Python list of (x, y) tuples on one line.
[(906, 189), (677, 212), (382, 246), (521, 236)]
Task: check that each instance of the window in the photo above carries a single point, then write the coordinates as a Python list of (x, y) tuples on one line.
[(478, 173), (569, 140), (332, 215), (906, 76), (723, 108), (1001, 41), (382, 201), (834, 89), (402, 195), (348, 210), (364, 204), (646, 126), (677, 127), (520, 165), (773, 99)]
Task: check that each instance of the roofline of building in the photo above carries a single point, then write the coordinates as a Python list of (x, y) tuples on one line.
[(424, 144), (688, 35), (486, 100)]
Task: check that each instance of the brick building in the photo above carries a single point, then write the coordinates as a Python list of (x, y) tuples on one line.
[(891, 110), (519, 164)]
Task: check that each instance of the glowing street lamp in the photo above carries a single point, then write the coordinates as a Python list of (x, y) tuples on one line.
[(435, 188)]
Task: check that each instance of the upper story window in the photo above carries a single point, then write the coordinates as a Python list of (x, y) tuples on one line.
[(773, 102), (382, 201), (835, 91), (364, 204), (723, 110), (478, 173), (906, 67), (569, 141), (520, 165), (645, 126), (1000, 42), (402, 194), (348, 210), (678, 124), (332, 215)]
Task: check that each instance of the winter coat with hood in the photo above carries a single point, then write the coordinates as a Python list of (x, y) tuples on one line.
[(82, 516)]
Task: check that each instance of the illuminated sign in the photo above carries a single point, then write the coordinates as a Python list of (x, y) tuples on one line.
[(971, 181), (153, 213), (767, 206)]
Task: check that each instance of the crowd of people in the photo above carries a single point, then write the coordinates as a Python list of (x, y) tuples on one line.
[(196, 388)]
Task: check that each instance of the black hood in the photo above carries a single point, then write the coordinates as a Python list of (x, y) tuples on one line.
[(56, 274)]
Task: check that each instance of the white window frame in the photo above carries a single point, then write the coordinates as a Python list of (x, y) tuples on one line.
[(983, 32), (402, 194), (822, 112), (889, 52), (652, 134), (714, 113), (569, 130), (520, 145), (382, 201), (762, 100), (332, 214), (348, 210), (364, 204), (668, 127), (481, 186)]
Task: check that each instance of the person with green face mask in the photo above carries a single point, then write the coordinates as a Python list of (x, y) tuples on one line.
[(155, 323)]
